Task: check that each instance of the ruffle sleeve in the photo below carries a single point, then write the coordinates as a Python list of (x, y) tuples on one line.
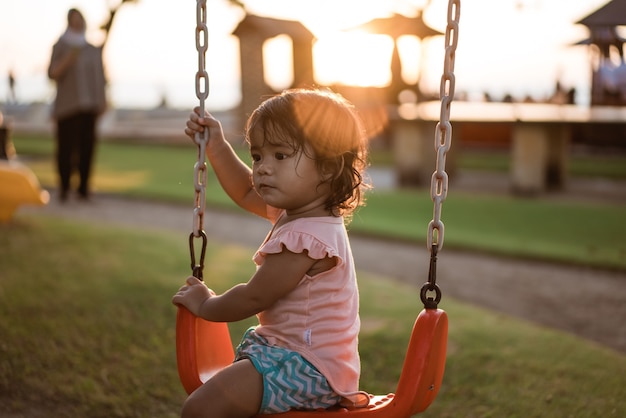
[(296, 242)]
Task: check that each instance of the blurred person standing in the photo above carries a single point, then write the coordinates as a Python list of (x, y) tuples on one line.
[(76, 67), (12, 95)]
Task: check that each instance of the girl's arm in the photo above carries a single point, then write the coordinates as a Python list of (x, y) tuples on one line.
[(276, 277), (233, 174)]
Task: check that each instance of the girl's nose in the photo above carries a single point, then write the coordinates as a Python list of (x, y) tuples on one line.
[(263, 168)]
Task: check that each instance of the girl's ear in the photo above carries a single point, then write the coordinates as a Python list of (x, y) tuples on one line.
[(331, 169), (327, 175)]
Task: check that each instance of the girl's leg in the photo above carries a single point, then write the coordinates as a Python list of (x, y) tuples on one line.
[(234, 392)]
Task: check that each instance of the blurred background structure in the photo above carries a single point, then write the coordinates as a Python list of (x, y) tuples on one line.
[(386, 58), (253, 32), (512, 50), (606, 51)]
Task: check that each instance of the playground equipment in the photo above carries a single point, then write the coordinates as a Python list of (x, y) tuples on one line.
[(203, 348), (18, 184)]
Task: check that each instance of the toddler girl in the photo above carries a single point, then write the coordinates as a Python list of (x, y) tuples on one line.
[(308, 150)]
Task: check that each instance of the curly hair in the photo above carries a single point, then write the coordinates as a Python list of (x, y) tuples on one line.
[(327, 124)]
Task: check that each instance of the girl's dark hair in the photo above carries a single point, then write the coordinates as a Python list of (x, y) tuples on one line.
[(327, 124)]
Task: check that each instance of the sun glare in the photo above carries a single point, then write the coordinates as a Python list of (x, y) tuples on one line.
[(411, 55), (341, 53), (355, 59), (277, 67)]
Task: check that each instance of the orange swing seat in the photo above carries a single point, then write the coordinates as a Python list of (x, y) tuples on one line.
[(203, 348)]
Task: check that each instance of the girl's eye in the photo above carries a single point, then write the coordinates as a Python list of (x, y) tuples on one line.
[(256, 157), (280, 156)]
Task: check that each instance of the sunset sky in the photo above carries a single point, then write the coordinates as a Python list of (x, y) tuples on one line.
[(506, 46)]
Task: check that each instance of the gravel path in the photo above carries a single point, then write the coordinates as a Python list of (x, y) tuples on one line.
[(587, 302)]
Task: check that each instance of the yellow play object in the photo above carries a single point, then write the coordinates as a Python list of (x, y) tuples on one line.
[(18, 186)]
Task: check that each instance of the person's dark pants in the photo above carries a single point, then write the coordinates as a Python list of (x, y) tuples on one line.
[(76, 139)]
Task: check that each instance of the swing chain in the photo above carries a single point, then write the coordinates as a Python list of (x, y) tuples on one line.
[(197, 267), (443, 131), (443, 141), (201, 139), (431, 285)]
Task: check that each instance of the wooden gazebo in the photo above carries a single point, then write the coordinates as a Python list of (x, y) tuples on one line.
[(253, 31), (605, 41)]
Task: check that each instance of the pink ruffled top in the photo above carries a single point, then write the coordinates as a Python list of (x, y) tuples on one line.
[(320, 318)]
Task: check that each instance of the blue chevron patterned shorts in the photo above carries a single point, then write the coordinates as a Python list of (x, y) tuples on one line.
[(289, 381)]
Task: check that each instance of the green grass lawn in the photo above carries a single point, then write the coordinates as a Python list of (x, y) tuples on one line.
[(575, 233), (87, 330)]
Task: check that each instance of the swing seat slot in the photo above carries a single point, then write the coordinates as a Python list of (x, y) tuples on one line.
[(203, 348)]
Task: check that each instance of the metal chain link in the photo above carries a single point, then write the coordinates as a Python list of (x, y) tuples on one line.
[(443, 140), (201, 139), (443, 131)]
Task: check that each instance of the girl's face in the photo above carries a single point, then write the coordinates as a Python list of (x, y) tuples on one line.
[(286, 179)]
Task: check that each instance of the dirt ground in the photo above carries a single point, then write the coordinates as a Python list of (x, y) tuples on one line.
[(587, 302)]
